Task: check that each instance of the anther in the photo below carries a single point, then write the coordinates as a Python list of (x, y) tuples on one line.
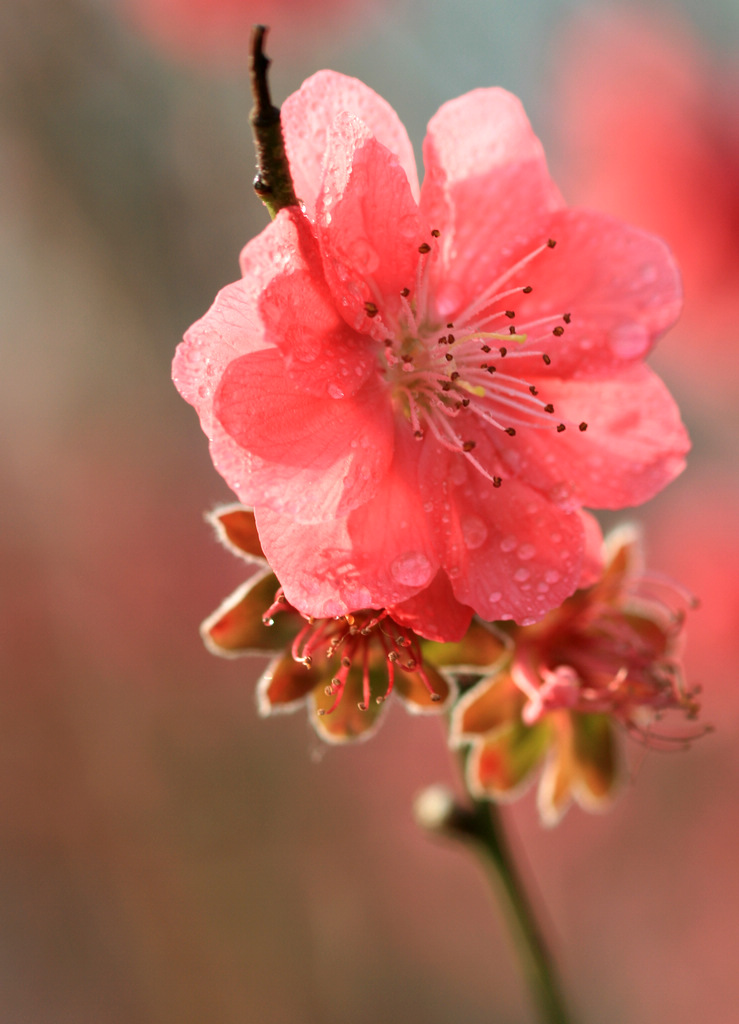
[(485, 348), (446, 385), (490, 369), (533, 390), (321, 711), (567, 317), (510, 313), (560, 427), (435, 697), (546, 359), (450, 339), (465, 402), (503, 351), (497, 481), (549, 408), (362, 706), (454, 376), (511, 431), (418, 434), (469, 445), (435, 232), (346, 662), (512, 329), (448, 356), (450, 325), (551, 243), (583, 426), (424, 248), (405, 292), (558, 331), (527, 290), (370, 309)]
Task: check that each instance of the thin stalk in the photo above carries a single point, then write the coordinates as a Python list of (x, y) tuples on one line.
[(273, 182), (485, 829)]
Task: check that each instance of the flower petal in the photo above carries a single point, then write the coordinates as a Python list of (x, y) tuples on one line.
[(620, 286), (502, 766), (237, 627), (492, 704), (285, 686), (634, 445), (369, 227), (488, 190), (308, 114), (308, 456), (416, 696), (378, 556), (348, 721), (321, 353), (236, 528), (509, 552), (434, 612)]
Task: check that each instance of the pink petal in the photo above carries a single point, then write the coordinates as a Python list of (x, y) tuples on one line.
[(509, 552), (368, 225), (378, 556), (308, 114), (308, 457), (488, 190), (236, 529), (434, 612), (634, 444), (619, 284), (300, 318)]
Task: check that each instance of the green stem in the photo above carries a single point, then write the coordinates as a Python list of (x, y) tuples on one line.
[(479, 826), (485, 829), (273, 182)]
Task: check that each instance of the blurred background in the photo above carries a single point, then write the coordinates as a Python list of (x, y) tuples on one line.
[(167, 857)]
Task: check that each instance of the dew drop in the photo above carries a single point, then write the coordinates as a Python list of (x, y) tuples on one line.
[(647, 273), (509, 543), (629, 341), (526, 551), (521, 575), (552, 576), (412, 569), (494, 597), (334, 390), (475, 532)]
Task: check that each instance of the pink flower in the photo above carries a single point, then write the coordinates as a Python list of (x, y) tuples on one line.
[(218, 31), (644, 96), (609, 657), (418, 389)]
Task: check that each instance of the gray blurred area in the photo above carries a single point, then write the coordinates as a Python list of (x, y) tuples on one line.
[(166, 857)]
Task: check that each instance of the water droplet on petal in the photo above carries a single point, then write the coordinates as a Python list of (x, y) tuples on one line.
[(334, 390), (474, 531), (552, 576), (509, 543), (629, 341), (494, 597), (413, 569), (526, 551), (521, 575)]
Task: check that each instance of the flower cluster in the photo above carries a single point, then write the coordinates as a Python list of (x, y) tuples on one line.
[(608, 657), (417, 389)]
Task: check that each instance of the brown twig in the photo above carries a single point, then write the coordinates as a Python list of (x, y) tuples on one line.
[(273, 182)]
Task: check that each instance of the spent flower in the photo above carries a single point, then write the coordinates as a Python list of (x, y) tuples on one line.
[(607, 659), (344, 667), (418, 389)]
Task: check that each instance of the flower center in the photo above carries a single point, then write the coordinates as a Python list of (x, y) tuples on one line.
[(448, 379), (357, 640)]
